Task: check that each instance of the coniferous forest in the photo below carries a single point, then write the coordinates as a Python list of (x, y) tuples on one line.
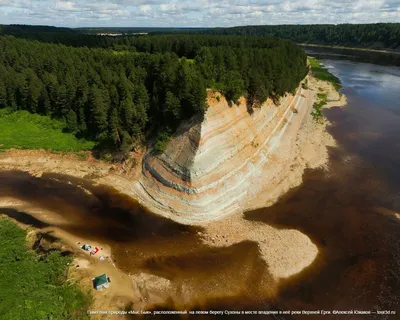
[(138, 87), (377, 35), (373, 35)]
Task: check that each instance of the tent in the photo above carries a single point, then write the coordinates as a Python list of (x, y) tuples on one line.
[(86, 247), (101, 282)]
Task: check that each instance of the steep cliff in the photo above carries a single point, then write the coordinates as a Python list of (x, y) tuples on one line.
[(210, 167)]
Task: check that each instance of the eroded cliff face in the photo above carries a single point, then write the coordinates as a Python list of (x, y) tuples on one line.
[(213, 165)]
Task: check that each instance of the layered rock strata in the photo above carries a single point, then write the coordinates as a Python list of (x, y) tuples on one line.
[(209, 167)]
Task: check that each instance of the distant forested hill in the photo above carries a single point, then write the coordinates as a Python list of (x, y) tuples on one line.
[(134, 30), (14, 29), (67, 36), (137, 85), (377, 36)]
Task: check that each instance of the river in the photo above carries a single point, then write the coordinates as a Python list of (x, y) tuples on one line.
[(349, 212)]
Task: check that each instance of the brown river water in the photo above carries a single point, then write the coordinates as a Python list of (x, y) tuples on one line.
[(348, 212)]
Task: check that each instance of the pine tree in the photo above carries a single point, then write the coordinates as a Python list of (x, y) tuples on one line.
[(114, 127), (3, 94), (71, 121), (172, 107), (82, 127), (44, 102), (234, 86), (98, 112)]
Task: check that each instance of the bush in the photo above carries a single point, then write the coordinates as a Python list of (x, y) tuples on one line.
[(161, 143), (304, 85), (317, 107)]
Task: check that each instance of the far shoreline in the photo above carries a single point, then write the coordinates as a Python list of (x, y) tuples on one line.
[(385, 51)]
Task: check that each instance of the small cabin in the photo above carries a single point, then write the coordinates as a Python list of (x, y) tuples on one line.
[(101, 282)]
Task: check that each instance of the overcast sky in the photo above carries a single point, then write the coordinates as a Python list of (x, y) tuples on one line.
[(195, 13)]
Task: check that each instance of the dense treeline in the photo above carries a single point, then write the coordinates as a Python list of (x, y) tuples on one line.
[(15, 29), (102, 96), (115, 97), (189, 45), (259, 66), (66, 36), (379, 35), (134, 30)]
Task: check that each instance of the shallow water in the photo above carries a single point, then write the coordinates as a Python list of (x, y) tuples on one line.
[(347, 212), (143, 242)]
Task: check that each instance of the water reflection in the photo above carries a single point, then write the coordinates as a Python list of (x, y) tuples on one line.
[(377, 58), (91, 210), (358, 265), (142, 242)]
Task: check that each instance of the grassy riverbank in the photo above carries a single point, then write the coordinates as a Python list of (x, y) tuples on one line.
[(24, 130), (322, 73), (33, 286)]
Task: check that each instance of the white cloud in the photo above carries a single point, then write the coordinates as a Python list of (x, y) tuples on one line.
[(145, 9), (66, 6), (205, 13)]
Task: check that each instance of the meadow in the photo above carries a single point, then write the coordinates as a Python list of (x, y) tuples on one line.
[(23, 130)]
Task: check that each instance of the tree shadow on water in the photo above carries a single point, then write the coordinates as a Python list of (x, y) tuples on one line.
[(89, 209)]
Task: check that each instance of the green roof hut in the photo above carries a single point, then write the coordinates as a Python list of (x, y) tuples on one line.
[(101, 282)]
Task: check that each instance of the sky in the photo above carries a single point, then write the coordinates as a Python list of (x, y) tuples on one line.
[(195, 13)]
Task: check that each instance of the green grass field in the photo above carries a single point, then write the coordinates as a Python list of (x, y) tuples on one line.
[(34, 287), (23, 130), (323, 73)]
